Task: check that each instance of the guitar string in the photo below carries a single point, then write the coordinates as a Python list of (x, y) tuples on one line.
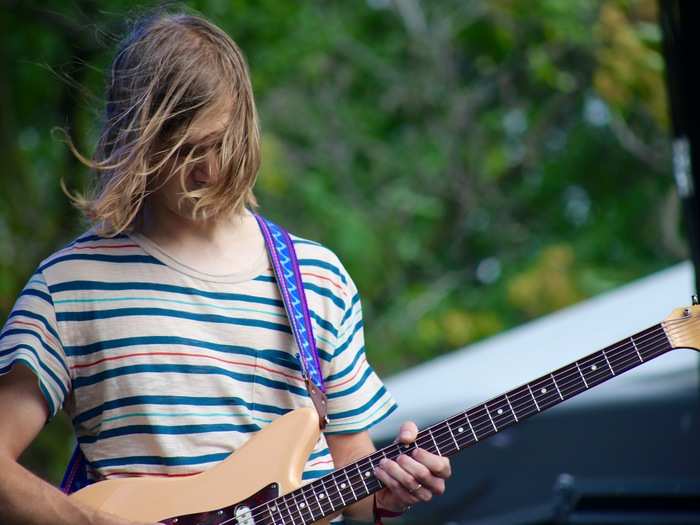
[(359, 482), (480, 424)]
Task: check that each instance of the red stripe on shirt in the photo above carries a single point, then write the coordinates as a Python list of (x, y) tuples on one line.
[(326, 279), (183, 354), (47, 336), (359, 368)]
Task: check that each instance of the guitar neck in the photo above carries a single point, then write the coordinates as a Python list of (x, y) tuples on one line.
[(353, 482)]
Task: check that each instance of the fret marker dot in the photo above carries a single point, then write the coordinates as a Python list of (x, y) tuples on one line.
[(367, 474), (544, 390), (322, 495), (460, 429), (302, 505), (594, 367), (273, 508), (500, 411), (343, 485)]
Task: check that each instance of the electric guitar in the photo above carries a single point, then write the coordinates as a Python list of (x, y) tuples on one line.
[(261, 482)]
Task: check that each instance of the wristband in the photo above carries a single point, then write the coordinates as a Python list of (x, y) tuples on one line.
[(378, 513)]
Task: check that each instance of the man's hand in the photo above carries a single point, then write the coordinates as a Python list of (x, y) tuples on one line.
[(413, 477)]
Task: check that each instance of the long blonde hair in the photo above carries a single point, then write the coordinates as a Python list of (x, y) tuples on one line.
[(168, 69)]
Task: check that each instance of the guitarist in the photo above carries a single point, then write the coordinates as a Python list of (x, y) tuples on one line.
[(160, 331)]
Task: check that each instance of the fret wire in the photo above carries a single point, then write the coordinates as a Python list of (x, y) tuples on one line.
[(533, 397), (320, 493), (464, 430), (582, 376), (289, 513), (488, 412), (523, 404), (636, 349), (305, 505), (362, 477), (318, 509), (272, 517), (295, 508), (325, 495), (466, 416), (318, 502), (329, 494), (461, 429), (422, 441), (593, 367), (453, 437), (337, 488), (556, 386), (437, 449), (606, 360), (664, 337), (475, 414), (570, 381), (546, 392), (350, 483), (511, 408)]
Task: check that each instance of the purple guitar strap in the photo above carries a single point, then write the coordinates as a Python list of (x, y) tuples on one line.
[(282, 254)]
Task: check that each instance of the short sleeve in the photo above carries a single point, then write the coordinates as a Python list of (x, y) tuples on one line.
[(357, 398), (30, 336)]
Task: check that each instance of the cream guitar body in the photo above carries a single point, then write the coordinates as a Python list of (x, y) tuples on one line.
[(270, 464)]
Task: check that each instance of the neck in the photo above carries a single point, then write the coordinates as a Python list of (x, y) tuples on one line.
[(218, 247), (346, 485), (165, 227)]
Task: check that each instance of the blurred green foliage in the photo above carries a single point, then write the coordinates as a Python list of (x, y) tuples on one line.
[(474, 164)]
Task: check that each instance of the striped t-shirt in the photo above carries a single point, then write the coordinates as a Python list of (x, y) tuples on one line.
[(165, 370)]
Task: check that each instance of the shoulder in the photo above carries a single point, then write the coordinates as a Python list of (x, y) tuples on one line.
[(314, 257), (90, 251)]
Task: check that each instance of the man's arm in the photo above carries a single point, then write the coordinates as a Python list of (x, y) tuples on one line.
[(26, 499), (408, 480)]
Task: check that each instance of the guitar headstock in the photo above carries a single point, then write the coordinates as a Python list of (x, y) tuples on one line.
[(683, 326)]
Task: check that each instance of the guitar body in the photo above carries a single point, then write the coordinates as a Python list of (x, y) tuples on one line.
[(270, 464)]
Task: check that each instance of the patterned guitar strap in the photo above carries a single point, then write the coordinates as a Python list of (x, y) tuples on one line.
[(280, 250)]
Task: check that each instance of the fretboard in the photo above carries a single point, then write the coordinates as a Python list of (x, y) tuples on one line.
[(353, 482)]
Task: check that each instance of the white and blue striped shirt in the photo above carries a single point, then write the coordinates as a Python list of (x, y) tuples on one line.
[(165, 371)]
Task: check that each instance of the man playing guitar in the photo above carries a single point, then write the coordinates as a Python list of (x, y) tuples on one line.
[(160, 331)]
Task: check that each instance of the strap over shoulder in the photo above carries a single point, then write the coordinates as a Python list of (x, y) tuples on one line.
[(280, 249)]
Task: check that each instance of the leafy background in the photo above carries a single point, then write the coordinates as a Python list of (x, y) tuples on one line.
[(474, 164)]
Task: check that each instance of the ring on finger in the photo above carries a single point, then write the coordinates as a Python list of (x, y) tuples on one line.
[(416, 489)]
